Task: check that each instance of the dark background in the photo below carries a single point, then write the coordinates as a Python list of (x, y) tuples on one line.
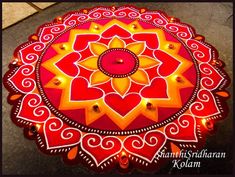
[(212, 20)]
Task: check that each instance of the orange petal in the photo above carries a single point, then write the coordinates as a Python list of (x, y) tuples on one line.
[(147, 62), (72, 153), (98, 48), (15, 97), (116, 43), (136, 47), (140, 76), (90, 63), (121, 85), (98, 77)]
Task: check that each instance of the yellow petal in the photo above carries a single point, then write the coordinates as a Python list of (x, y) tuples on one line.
[(98, 77), (121, 85), (140, 76), (136, 47), (90, 63), (116, 43), (98, 48), (147, 62)]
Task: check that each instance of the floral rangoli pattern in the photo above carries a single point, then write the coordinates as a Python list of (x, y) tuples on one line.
[(108, 86)]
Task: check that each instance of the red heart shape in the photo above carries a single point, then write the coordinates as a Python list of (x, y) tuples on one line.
[(146, 147), (168, 65), (210, 78), (182, 129), (59, 135), (122, 105), (80, 90), (66, 64), (100, 148), (157, 89), (24, 79), (150, 39), (32, 109), (81, 41), (115, 30), (204, 105)]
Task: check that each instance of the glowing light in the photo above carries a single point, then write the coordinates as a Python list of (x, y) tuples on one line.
[(216, 63), (96, 27), (16, 61), (134, 26), (119, 61), (207, 124), (172, 19), (145, 101), (123, 153), (198, 38), (124, 161), (113, 8), (59, 19), (34, 38), (85, 11), (203, 122), (170, 46), (142, 10), (38, 126), (63, 47)]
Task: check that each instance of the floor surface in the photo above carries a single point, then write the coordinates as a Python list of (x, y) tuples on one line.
[(212, 20)]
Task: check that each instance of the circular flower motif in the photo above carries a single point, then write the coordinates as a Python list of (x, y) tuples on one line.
[(119, 63), (110, 85)]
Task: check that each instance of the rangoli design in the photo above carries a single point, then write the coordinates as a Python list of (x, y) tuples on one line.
[(115, 86)]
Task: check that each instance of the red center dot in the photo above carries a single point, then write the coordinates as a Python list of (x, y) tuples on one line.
[(118, 62)]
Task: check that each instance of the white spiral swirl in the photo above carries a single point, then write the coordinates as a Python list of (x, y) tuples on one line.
[(174, 130), (28, 82), (173, 28), (72, 22), (199, 106), (57, 29), (193, 46), (153, 140), (121, 14), (108, 14), (40, 111), (146, 17), (198, 54), (133, 15), (184, 123), (53, 126), (207, 82), (95, 15), (204, 70), (137, 144), (182, 34), (32, 56), (27, 71), (34, 102), (39, 47), (158, 21), (108, 143), (48, 37), (82, 18), (67, 135), (204, 97)]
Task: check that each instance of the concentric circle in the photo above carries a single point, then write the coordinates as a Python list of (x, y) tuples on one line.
[(118, 62)]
